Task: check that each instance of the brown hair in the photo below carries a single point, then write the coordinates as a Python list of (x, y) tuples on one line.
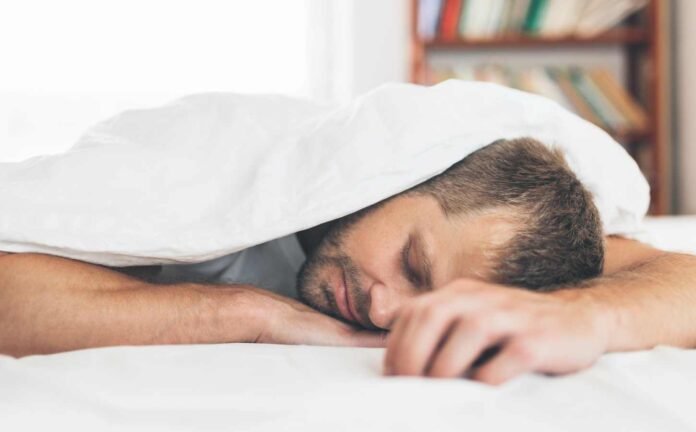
[(559, 238)]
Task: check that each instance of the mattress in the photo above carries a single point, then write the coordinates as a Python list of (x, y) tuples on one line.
[(263, 387)]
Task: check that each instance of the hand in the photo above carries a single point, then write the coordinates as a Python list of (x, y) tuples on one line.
[(287, 321), (445, 332)]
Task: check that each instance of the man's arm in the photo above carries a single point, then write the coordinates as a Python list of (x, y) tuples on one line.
[(50, 304), (649, 294), (647, 297)]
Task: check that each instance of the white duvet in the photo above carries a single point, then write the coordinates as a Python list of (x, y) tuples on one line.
[(211, 174)]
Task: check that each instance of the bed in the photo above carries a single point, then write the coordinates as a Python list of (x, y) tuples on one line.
[(247, 387)]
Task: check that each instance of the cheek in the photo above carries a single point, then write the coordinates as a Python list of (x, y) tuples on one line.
[(371, 247)]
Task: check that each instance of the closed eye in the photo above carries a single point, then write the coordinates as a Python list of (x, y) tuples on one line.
[(408, 271)]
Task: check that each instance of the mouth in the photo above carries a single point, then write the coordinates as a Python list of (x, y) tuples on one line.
[(340, 291)]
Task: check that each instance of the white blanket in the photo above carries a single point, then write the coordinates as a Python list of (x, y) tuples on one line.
[(212, 174)]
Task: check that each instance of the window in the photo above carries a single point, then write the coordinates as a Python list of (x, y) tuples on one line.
[(69, 63)]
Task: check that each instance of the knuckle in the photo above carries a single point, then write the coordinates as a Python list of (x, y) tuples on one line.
[(416, 305), (429, 311), (525, 352), (477, 324)]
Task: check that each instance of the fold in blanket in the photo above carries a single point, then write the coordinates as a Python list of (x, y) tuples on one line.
[(211, 174)]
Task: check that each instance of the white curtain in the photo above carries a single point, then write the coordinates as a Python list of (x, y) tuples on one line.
[(67, 64)]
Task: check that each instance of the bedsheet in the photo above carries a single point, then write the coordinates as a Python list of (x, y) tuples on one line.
[(248, 387)]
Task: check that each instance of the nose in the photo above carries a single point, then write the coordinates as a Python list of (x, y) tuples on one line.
[(384, 303)]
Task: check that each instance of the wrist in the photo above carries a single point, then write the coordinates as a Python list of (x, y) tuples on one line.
[(605, 317), (232, 313)]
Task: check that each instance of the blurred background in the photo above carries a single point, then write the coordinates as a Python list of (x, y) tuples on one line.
[(622, 64)]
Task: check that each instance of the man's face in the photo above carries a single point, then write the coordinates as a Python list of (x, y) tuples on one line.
[(363, 271)]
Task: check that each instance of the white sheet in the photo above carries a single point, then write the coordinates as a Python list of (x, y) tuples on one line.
[(245, 387), (211, 174)]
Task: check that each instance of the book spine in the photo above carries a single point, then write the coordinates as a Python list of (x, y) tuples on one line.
[(495, 12), (535, 15), (615, 118), (591, 99), (450, 19), (428, 18), (549, 88), (506, 17), (632, 111), (476, 13), (562, 78), (520, 12), (599, 17)]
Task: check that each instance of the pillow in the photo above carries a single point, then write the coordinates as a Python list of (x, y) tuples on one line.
[(210, 174)]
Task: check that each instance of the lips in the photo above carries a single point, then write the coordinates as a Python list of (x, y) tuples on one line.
[(341, 296)]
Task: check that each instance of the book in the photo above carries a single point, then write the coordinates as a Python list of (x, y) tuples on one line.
[(561, 17), (428, 18), (465, 73), (550, 23), (580, 105), (600, 15), (535, 15), (506, 17), (494, 15), (475, 19), (600, 103), (634, 113), (543, 85), (449, 27), (594, 93), (519, 15)]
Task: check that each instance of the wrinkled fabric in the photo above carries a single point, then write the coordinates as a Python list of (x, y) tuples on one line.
[(215, 173), (259, 387)]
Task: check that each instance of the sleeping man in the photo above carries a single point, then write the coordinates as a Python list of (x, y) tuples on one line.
[(495, 267)]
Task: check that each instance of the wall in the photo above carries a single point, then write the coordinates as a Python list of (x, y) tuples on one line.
[(370, 45), (686, 104)]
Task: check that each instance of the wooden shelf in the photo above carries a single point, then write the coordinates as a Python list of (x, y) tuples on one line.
[(622, 36), (630, 136), (645, 43)]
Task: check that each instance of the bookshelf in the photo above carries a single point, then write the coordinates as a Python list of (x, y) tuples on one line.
[(643, 39)]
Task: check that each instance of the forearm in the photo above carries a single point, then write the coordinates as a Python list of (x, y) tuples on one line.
[(49, 304), (651, 303)]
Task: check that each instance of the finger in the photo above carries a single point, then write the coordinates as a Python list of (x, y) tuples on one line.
[(462, 347), (395, 335), (412, 347), (515, 358)]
